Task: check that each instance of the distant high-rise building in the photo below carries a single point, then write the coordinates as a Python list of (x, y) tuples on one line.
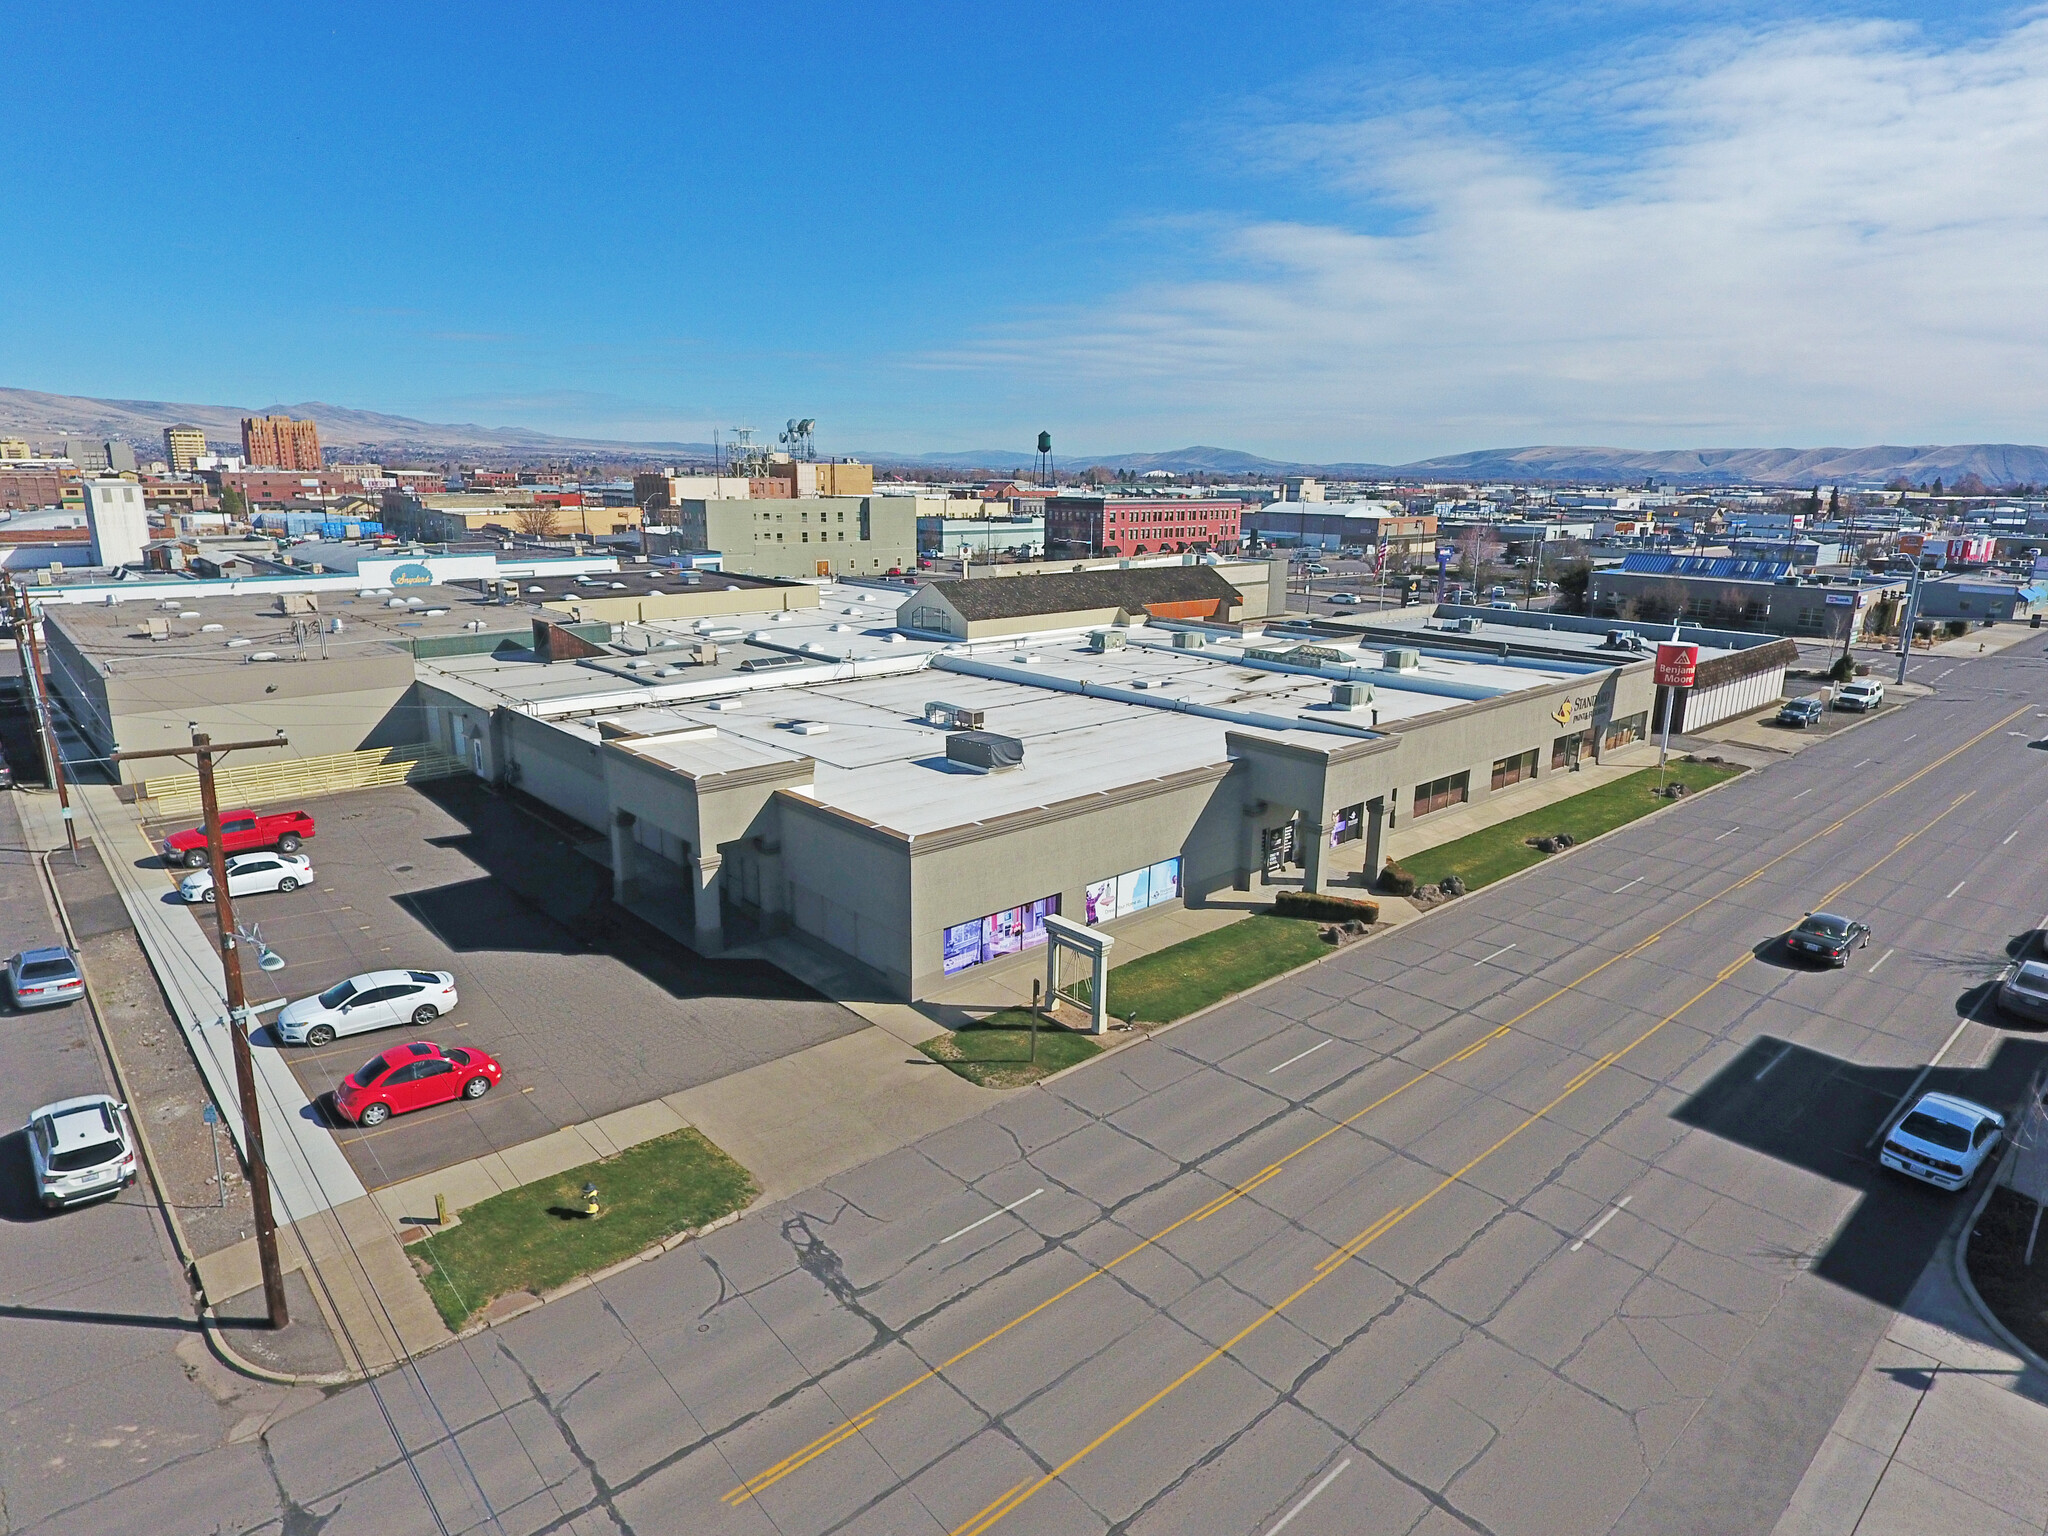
[(280, 442), (83, 452), (120, 457), (183, 448), (15, 448)]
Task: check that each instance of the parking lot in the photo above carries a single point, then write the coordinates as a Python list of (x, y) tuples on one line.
[(589, 1009)]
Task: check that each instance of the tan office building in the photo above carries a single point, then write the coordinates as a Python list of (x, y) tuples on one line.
[(184, 447)]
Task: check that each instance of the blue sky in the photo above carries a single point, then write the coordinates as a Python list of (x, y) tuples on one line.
[(1326, 232)]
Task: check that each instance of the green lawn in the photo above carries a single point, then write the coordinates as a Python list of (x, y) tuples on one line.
[(1487, 855), (533, 1238), (1174, 982), (996, 1052)]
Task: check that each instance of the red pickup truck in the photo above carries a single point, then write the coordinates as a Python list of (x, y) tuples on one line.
[(241, 831)]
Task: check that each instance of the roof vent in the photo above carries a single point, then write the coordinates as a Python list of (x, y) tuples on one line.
[(808, 727), (1106, 639), (952, 717)]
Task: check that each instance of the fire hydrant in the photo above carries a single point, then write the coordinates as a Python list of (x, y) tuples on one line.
[(590, 1200)]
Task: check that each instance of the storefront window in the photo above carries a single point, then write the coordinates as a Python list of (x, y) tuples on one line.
[(1512, 770), (1440, 793), (1133, 891), (1008, 932), (1348, 825)]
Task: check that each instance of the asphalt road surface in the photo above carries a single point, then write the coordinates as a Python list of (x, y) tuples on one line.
[(1553, 1213)]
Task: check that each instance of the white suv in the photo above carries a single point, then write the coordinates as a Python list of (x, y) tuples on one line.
[(81, 1149), (1864, 693)]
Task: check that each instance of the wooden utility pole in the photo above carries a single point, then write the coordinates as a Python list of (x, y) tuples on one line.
[(31, 654), (203, 752)]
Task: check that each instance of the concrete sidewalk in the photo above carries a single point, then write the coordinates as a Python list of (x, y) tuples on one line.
[(1945, 1432)]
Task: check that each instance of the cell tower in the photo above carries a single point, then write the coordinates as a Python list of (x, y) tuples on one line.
[(796, 438)]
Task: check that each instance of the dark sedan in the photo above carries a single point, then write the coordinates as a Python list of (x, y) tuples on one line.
[(1824, 936)]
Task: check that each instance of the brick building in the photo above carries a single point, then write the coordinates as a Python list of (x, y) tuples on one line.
[(280, 442), (1108, 525)]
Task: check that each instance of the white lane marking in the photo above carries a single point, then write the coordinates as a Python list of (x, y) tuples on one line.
[(1958, 886), (1807, 791), (1787, 1051), (1940, 675), (2015, 832), (1494, 956), (1914, 1087), (992, 1215), (1309, 1497), (1880, 961), (1908, 738), (1290, 1061), (1639, 879), (1594, 1230), (1729, 833), (1854, 766)]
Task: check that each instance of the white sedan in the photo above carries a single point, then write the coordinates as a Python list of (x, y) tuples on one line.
[(373, 1000), (250, 874), (1943, 1140), (1346, 599)]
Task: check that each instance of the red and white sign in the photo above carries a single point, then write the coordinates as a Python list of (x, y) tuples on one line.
[(1675, 664)]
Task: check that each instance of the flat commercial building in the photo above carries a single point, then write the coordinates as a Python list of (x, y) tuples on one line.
[(980, 537), (1142, 525), (1343, 525), (1981, 600), (1743, 593), (280, 442), (799, 536), (822, 771)]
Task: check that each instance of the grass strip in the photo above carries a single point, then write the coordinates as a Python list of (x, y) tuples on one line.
[(2016, 1293), (1187, 977), (996, 1052), (535, 1237), (1492, 853)]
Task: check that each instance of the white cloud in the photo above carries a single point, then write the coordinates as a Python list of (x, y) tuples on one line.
[(1830, 233)]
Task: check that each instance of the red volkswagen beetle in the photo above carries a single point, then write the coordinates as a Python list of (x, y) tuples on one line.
[(413, 1076)]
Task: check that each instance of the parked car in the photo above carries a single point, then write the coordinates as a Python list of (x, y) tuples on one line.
[(1864, 693), (1346, 599), (1942, 1140), (250, 874), (241, 832), (409, 1077), (1496, 591), (1825, 936), (81, 1149), (373, 1000), (1800, 712), (2025, 991), (44, 978), (1316, 568), (1500, 602)]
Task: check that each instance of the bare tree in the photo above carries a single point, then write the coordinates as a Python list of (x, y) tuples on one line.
[(534, 522)]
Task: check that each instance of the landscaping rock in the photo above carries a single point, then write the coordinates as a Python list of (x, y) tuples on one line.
[(1451, 885)]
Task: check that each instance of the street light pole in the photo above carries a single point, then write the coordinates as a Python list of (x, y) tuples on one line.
[(30, 651), (203, 752)]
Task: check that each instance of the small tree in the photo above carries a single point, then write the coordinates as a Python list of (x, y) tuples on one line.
[(234, 505), (1572, 582), (534, 522)]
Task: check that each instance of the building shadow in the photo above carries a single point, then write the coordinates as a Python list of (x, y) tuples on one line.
[(18, 1202), (542, 896), (1824, 1115)]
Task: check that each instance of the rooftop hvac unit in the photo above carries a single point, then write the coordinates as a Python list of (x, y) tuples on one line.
[(1106, 639), (1350, 695), (952, 717), (1468, 626), (1403, 658), (1188, 640), (985, 750)]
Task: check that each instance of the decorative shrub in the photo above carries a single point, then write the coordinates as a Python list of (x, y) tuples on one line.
[(1327, 909), (1396, 881)]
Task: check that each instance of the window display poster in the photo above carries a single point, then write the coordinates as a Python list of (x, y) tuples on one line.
[(1034, 920), (962, 946), (1346, 825), (1165, 881), (1101, 901), (1133, 891), (1005, 933)]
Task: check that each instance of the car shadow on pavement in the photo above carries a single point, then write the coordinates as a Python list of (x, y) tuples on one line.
[(1824, 1114), (1775, 951), (540, 895), (18, 1202)]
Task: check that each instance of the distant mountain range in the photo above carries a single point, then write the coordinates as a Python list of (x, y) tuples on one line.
[(44, 417)]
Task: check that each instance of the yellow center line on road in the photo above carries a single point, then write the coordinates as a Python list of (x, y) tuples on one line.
[(806, 1454), (1334, 1263)]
